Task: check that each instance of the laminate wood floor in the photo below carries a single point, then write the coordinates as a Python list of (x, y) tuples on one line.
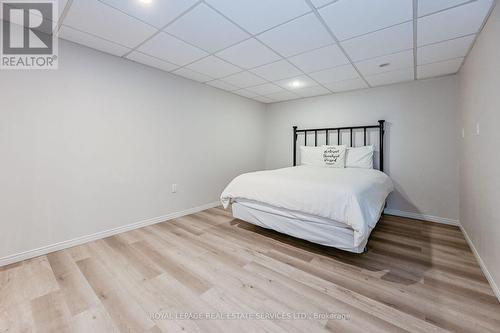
[(416, 277)]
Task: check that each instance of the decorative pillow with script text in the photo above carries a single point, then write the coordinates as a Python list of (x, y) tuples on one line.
[(334, 156)]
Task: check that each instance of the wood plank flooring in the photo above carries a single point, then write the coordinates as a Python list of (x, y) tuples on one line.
[(416, 277)]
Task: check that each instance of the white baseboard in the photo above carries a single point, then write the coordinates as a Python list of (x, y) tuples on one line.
[(417, 216), (99, 235), (494, 286)]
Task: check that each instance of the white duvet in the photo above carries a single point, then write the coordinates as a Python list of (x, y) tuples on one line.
[(351, 196)]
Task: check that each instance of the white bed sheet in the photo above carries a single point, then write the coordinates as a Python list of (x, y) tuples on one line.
[(352, 197), (314, 229)]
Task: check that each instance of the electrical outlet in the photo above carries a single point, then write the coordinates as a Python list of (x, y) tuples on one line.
[(477, 128), (174, 188), (463, 133)]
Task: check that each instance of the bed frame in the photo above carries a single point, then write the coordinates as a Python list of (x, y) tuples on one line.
[(339, 131)]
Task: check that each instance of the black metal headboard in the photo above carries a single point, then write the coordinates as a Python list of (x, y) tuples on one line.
[(339, 130)]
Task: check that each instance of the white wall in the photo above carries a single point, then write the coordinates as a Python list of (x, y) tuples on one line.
[(421, 142), (479, 82), (97, 144)]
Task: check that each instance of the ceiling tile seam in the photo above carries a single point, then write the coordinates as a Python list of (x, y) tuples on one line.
[(229, 91), (156, 58), (483, 24), (192, 70), (257, 95), (340, 81), (320, 18), (327, 4), (447, 8), (388, 72), (311, 50), (374, 31), (437, 62), (93, 35), (437, 76), (381, 56), (63, 15), (160, 30), (187, 78), (129, 15), (248, 32), (256, 37), (415, 39), (446, 40), (249, 87)]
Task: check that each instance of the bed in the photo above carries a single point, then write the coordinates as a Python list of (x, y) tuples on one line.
[(337, 207)]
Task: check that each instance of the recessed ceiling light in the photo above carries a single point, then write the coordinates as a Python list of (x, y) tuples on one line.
[(146, 2), (384, 65), (295, 84)]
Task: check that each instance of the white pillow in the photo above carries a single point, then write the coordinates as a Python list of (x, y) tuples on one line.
[(310, 155), (334, 156), (359, 157)]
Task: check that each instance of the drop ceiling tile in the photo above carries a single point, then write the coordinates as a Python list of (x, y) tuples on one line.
[(454, 48), (439, 68), (452, 23), (206, 29), (383, 42), (320, 3), (392, 62), (98, 19), (282, 96), (312, 91), (151, 61), (157, 13), (245, 93), (249, 54), (222, 85), (244, 79), (326, 57), (347, 85), (401, 75), (92, 41), (352, 18), (213, 67), (263, 99), (301, 81), (192, 75), (340, 73), (257, 16), (266, 89), (171, 49), (276, 71), (300, 35), (426, 7)]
